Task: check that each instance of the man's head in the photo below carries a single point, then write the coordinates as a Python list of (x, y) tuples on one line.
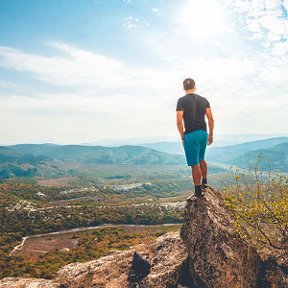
[(188, 84)]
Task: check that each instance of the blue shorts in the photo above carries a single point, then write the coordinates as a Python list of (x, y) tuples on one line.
[(195, 146)]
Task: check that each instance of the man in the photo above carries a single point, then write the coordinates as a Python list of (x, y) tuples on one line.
[(192, 109)]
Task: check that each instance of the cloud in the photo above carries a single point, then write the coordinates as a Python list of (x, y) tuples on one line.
[(71, 118), (76, 67), (105, 96), (134, 23), (155, 10), (96, 75), (80, 69), (267, 21), (131, 22), (8, 84)]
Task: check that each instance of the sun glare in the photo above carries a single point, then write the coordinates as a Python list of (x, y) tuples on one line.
[(202, 19)]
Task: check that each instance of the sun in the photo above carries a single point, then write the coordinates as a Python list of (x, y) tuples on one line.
[(202, 20)]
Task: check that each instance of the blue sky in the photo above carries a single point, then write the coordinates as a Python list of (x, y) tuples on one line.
[(81, 71)]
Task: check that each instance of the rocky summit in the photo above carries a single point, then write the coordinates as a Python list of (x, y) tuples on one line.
[(206, 254), (217, 257)]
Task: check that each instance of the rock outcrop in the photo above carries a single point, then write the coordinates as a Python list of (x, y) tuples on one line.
[(207, 255), (167, 257), (218, 258)]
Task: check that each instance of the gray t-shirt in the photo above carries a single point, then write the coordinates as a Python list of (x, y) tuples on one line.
[(194, 107)]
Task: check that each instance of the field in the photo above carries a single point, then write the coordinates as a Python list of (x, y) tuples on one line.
[(60, 182), (36, 246), (131, 198), (64, 242), (43, 256)]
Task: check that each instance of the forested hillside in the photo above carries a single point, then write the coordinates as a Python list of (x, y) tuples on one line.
[(99, 154), (28, 160), (269, 154)]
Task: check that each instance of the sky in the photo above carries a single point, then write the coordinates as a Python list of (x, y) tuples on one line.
[(79, 71)]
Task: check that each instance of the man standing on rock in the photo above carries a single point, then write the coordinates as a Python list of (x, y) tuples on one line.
[(191, 109)]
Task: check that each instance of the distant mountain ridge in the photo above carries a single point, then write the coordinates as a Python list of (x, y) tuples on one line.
[(273, 150), (99, 154), (28, 160), (167, 147), (220, 140), (274, 158)]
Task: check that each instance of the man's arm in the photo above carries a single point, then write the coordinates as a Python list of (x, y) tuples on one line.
[(180, 123), (210, 124)]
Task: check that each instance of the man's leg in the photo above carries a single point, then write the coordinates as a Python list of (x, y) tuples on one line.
[(203, 164), (203, 168), (196, 175)]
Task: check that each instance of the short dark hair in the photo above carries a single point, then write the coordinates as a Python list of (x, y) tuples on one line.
[(188, 84)]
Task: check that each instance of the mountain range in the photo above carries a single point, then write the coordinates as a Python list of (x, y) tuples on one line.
[(268, 154), (28, 160), (272, 151), (93, 154), (220, 140)]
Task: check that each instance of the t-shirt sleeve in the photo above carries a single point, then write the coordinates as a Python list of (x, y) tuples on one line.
[(206, 103), (180, 106)]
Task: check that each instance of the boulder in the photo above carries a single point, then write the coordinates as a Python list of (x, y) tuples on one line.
[(168, 257), (217, 257), (140, 268)]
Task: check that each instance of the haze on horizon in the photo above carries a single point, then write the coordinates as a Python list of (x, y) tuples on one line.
[(81, 71)]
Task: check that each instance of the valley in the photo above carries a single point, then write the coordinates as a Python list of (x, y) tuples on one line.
[(74, 209), (59, 218)]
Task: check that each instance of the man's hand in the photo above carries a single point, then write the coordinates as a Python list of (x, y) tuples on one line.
[(210, 124), (180, 124), (210, 139)]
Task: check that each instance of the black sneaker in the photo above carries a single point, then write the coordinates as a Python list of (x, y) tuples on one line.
[(199, 194)]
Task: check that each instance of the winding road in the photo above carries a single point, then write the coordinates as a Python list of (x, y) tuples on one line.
[(20, 246)]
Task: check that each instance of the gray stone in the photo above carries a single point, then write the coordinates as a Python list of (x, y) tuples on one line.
[(11, 282), (217, 257)]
